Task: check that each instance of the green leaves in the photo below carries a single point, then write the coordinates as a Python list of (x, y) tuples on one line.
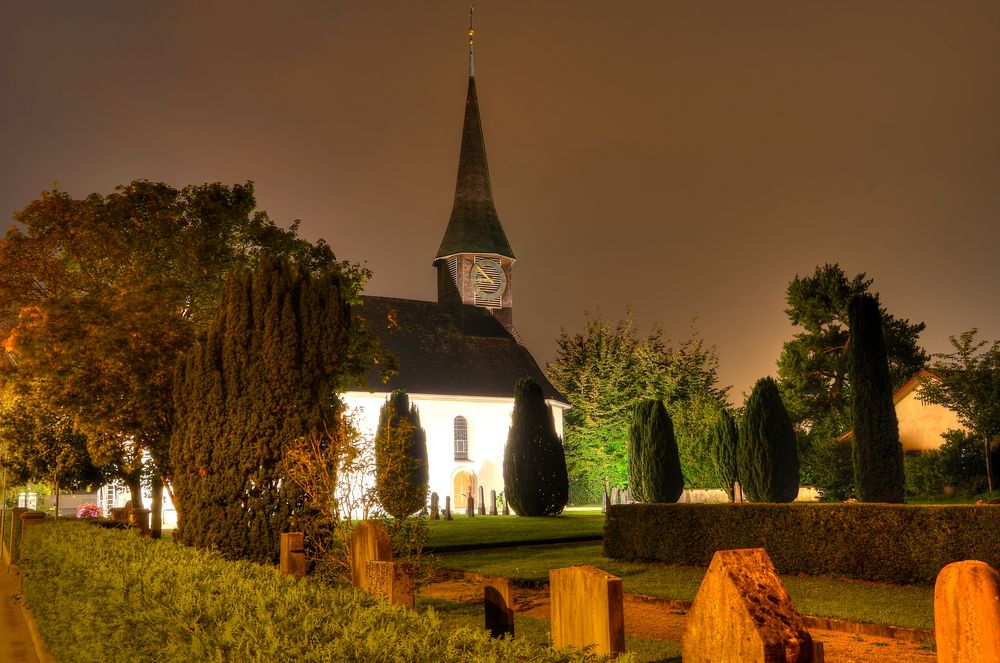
[(401, 470)]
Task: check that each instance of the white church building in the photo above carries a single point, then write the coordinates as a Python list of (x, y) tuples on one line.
[(460, 356)]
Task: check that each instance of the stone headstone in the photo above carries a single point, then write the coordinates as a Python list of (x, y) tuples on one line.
[(498, 604), (293, 554), (743, 613), (435, 514), (447, 507), (369, 542), (737, 492), (587, 609), (392, 581), (967, 613), (493, 502), (470, 507), (482, 502), (506, 505), (605, 502), (139, 519)]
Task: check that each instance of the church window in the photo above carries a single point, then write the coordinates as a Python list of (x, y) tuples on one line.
[(461, 439)]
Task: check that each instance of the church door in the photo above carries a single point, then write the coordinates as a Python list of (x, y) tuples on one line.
[(463, 485)]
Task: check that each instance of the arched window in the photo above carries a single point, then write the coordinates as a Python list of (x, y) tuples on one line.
[(461, 439)]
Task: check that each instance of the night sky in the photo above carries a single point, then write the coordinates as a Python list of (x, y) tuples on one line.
[(686, 159)]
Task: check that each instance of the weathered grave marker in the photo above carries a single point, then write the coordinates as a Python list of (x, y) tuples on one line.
[(435, 514), (470, 507), (587, 609), (369, 542), (482, 502), (447, 507), (506, 505), (392, 581), (493, 502), (742, 614), (498, 604), (967, 613), (293, 554)]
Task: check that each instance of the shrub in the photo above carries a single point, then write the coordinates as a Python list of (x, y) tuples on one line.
[(654, 467), (958, 465), (106, 595), (901, 543), (89, 510), (724, 442), (768, 455), (534, 466), (400, 457), (878, 456)]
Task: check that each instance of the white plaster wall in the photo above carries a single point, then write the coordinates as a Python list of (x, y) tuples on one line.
[(922, 424), (488, 424)]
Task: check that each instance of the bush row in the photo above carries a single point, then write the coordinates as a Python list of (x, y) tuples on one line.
[(109, 595), (883, 542)]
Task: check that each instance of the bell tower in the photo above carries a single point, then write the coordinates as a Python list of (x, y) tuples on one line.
[(474, 260)]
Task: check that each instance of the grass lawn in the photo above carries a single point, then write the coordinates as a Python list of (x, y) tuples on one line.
[(493, 530), (454, 615), (878, 603)]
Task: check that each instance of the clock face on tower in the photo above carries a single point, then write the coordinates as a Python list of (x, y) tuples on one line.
[(488, 281)]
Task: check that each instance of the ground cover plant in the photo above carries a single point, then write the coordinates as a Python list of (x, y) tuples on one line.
[(910, 606), (513, 530), (107, 595)]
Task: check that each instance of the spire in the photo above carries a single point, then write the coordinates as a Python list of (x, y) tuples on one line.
[(472, 43), (474, 226)]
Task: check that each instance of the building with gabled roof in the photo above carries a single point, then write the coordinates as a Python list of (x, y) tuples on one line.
[(460, 356)]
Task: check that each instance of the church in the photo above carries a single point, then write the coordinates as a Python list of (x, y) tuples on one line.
[(459, 356)]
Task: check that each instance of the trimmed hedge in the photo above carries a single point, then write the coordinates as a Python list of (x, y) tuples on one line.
[(105, 595), (881, 542)]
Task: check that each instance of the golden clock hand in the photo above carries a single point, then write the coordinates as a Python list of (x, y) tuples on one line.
[(480, 269)]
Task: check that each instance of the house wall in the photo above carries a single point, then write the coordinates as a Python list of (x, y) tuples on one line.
[(488, 424), (922, 424)]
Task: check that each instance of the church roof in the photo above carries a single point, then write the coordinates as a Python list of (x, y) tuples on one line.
[(446, 349), (474, 226)]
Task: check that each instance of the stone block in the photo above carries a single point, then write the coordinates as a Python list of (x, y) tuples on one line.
[(742, 614), (392, 581), (293, 554), (369, 542), (498, 604), (967, 613), (587, 609)]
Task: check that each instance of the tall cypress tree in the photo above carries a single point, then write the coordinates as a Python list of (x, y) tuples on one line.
[(724, 442), (266, 374), (878, 455), (534, 465), (401, 473), (768, 458), (654, 463)]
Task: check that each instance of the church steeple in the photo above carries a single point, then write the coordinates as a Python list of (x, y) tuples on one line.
[(474, 259)]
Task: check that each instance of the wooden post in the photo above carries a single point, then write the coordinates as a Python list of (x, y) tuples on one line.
[(293, 554)]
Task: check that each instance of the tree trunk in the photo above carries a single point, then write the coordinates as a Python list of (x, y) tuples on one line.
[(157, 507), (989, 466), (134, 484), (55, 481)]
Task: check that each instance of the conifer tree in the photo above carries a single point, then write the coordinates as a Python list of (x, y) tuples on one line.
[(534, 465), (878, 455), (654, 463), (401, 472), (768, 459), (267, 374), (724, 442)]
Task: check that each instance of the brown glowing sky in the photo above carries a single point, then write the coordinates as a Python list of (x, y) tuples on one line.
[(684, 158)]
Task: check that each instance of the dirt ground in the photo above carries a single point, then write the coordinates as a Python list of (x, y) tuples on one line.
[(658, 621)]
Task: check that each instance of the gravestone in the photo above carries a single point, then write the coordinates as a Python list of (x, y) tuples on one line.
[(435, 515), (588, 608), (742, 613), (482, 502), (498, 604), (470, 507), (506, 506), (737, 492), (493, 502), (605, 502), (447, 507), (392, 581), (293, 554), (369, 542), (967, 613)]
